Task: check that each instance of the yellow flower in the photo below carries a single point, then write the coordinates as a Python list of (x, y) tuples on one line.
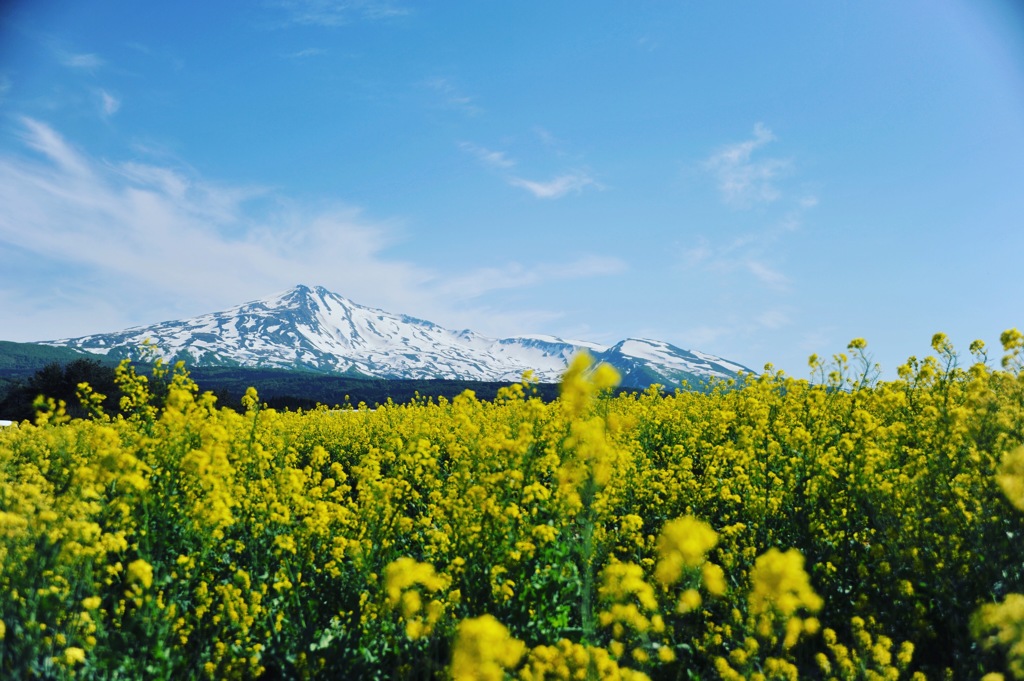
[(905, 655), (780, 583), (683, 543), (579, 384), (405, 573), (140, 572), (74, 655), (1011, 477), (624, 581), (689, 601), (484, 649), (414, 629), (713, 578), (1002, 625)]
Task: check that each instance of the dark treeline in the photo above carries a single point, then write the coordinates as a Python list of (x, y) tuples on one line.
[(281, 389), (59, 381), (278, 388)]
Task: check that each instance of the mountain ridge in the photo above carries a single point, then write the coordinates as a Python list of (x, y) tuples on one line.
[(314, 329)]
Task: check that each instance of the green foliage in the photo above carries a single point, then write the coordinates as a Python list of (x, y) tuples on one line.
[(60, 383), (281, 388)]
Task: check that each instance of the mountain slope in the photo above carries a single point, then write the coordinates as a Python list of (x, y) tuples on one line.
[(20, 360), (315, 329)]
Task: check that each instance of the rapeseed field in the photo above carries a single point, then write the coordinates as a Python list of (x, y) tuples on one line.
[(841, 527)]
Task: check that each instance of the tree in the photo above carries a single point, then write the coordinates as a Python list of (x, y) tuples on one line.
[(60, 382)]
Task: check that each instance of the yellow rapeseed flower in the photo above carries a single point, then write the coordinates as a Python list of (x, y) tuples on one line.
[(683, 543), (1011, 477), (74, 655), (140, 572), (780, 584), (484, 650)]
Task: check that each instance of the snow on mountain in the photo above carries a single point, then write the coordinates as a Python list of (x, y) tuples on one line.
[(317, 330), (643, 362)]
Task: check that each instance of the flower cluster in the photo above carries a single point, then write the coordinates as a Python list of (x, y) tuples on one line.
[(766, 528), (406, 582)]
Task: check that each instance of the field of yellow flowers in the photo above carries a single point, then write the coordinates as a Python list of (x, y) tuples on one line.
[(773, 528)]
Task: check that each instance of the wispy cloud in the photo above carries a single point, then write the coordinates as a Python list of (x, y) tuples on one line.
[(746, 254), (307, 53), (571, 182), (574, 182), (489, 157), (68, 163), (706, 335), (171, 233), (517, 275), (774, 318), (767, 274), (452, 97), (744, 181), (135, 242), (109, 104), (87, 61), (737, 335), (648, 44), (334, 13)]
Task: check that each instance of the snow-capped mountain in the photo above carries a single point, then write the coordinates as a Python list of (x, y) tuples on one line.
[(314, 329)]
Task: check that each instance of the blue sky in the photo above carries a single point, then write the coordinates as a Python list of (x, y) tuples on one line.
[(757, 180)]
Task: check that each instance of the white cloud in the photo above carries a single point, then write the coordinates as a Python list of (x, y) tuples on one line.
[(590, 266), (82, 61), (746, 253), (109, 104), (517, 275), (494, 159), (648, 44), (545, 136), (127, 243), (558, 187), (699, 254), (333, 13), (767, 274), (742, 180), (734, 336), (46, 141), (773, 319), (452, 97), (570, 182), (705, 336), (308, 52), (160, 230)]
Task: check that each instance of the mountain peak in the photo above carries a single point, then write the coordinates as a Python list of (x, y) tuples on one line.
[(314, 329), (301, 292)]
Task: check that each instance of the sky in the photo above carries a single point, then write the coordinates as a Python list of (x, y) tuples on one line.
[(761, 181)]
